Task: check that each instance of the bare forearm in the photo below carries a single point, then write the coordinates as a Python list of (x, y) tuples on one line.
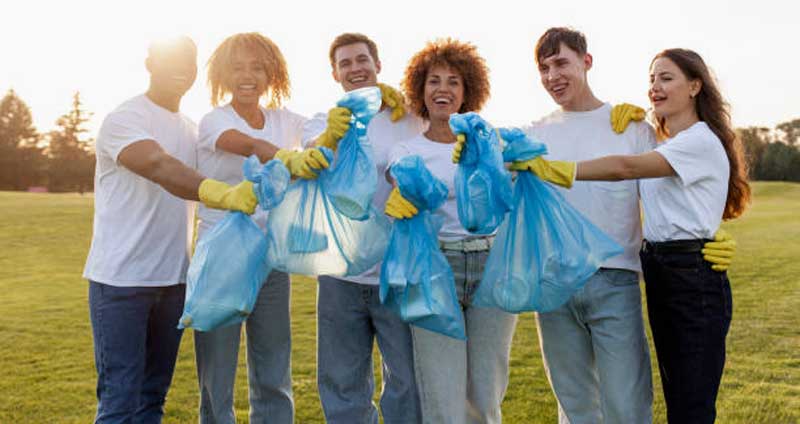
[(233, 141), (624, 167), (177, 178)]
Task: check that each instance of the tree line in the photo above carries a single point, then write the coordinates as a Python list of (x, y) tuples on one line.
[(59, 160), (63, 159)]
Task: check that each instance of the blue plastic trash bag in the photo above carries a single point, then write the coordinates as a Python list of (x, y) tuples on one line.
[(308, 235), (483, 185), (353, 177), (545, 250), (416, 279), (229, 262)]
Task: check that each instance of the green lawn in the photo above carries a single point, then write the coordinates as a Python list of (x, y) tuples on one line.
[(46, 346)]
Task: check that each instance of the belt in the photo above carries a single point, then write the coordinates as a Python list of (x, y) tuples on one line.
[(674, 246), (477, 244)]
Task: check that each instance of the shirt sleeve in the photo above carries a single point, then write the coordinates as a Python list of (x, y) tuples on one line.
[(688, 154), (211, 128), (312, 128), (120, 129)]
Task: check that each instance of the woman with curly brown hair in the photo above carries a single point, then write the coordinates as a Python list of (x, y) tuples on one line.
[(693, 180), (458, 381), (248, 67)]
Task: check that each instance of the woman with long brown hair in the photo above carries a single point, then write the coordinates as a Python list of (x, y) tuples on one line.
[(695, 178)]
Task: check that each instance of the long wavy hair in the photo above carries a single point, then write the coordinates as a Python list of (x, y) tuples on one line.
[(712, 109)]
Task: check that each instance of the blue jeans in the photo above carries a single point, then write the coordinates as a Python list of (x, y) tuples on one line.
[(136, 344), (269, 350), (690, 309), (350, 318), (465, 382), (596, 354)]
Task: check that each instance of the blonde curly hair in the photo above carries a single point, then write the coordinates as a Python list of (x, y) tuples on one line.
[(268, 53)]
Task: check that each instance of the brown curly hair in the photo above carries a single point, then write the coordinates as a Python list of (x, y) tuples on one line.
[(219, 65), (459, 56)]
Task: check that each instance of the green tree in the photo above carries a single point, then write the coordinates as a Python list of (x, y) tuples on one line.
[(70, 151), (21, 163), (780, 162), (790, 131), (755, 141)]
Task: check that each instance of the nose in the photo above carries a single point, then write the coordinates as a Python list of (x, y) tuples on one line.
[(553, 74)]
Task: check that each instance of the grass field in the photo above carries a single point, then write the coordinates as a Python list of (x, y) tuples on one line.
[(46, 353)]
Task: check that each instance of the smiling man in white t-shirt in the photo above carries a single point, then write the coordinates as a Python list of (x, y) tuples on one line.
[(350, 316), (138, 258)]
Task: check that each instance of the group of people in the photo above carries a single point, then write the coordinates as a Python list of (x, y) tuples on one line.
[(686, 169)]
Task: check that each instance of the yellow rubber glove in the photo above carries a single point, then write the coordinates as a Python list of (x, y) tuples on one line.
[(303, 164), (399, 207), (556, 171), (395, 100), (461, 140), (218, 195), (623, 114), (338, 124), (720, 251)]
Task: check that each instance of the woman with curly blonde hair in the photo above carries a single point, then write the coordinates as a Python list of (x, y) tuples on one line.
[(458, 381), (246, 68)]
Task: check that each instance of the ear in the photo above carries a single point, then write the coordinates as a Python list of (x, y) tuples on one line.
[(696, 85), (148, 65), (377, 67), (587, 61), (335, 75)]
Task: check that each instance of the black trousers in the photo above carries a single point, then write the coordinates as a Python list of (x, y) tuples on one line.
[(689, 306)]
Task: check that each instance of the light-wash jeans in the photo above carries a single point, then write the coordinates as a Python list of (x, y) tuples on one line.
[(350, 318), (596, 354), (269, 349), (465, 382)]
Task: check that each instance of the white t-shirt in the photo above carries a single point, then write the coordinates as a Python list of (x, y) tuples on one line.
[(690, 204), (282, 128), (611, 205), (141, 231), (438, 158), (383, 134)]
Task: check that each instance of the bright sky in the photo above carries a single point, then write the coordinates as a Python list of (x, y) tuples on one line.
[(51, 49)]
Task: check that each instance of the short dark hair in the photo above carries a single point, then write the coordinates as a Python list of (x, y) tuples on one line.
[(549, 43), (352, 38)]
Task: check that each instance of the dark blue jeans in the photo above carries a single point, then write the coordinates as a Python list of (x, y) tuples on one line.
[(690, 307), (135, 346)]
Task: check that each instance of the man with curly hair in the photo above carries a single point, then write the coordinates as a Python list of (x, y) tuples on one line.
[(350, 316)]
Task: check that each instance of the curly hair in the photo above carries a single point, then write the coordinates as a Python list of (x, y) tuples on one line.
[(270, 56), (459, 56)]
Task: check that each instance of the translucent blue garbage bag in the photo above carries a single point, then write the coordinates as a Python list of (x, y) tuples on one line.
[(545, 250), (416, 279), (483, 185), (308, 235), (353, 177), (229, 262)]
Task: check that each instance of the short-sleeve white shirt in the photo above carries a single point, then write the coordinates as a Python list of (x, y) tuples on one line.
[(140, 230), (282, 128), (612, 206), (690, 204), (438, 158)]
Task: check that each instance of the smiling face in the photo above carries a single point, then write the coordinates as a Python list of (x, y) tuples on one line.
[(354, 67), (444, 92), (246, 77), (671, 93), (563, 75), (172, 67)]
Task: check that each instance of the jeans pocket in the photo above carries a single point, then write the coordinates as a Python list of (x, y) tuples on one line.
[(619, 277)]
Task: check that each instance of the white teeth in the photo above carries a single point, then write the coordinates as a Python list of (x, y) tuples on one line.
[(247, 86)]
